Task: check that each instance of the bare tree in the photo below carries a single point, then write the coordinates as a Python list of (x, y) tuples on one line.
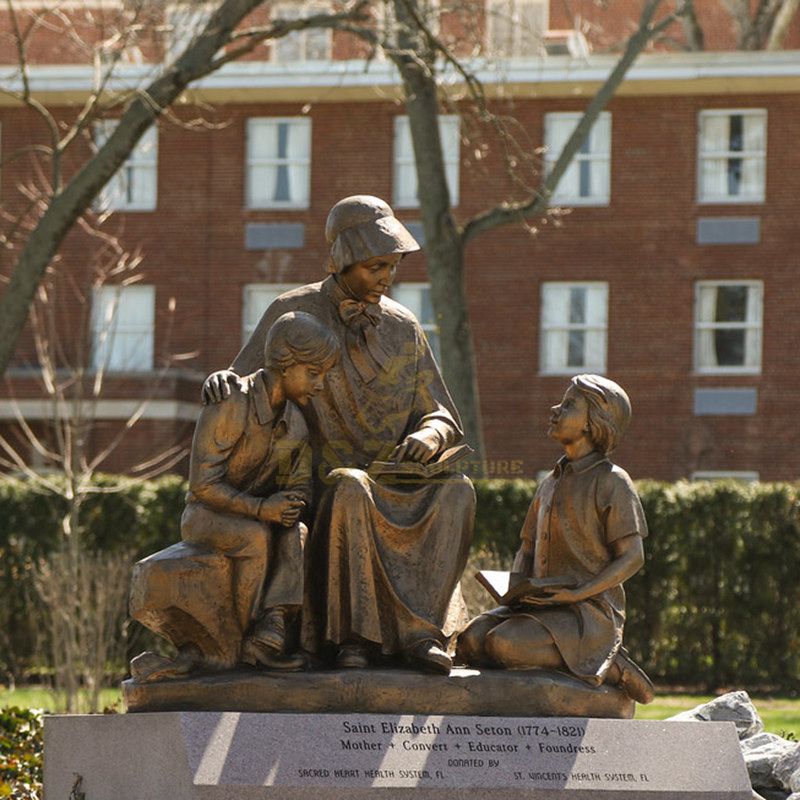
[(420, 56), (761, 25), (81, 591), (222, 40)]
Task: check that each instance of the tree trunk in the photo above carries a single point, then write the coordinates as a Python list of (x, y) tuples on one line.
[(81, 191), (443, 245)]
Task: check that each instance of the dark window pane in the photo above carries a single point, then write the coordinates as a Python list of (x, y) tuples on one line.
[(576, 349), (585, 179), (729, 347), (577, 305), (426, 309), (731, 304), (282, 184), (734, 176), (736, 142)]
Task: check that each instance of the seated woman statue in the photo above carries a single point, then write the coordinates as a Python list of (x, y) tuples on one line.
[(581, 540), (383, 559)]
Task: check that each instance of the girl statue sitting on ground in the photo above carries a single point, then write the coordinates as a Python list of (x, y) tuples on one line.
[(581, 540)]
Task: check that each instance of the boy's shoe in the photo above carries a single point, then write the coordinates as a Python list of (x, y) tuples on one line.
[(148, 667), (271, 630), (633, 679)]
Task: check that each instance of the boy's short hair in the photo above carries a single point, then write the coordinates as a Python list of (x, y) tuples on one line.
[(300, 338), (609, 410)]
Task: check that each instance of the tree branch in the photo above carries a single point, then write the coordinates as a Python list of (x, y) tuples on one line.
[(780, 25), (283, 27), (536, 205), (197, 61)]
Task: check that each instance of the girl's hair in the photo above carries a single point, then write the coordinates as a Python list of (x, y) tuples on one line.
[(609, 410), (300, 338)]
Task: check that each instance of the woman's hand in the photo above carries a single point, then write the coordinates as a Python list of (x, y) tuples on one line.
[(420, 446), (217, 386)]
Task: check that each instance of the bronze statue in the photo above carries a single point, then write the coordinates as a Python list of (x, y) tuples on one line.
[(226, 593), (384, 557), (581, 540)]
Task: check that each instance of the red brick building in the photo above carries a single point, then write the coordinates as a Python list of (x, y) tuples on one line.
[(674, 273)]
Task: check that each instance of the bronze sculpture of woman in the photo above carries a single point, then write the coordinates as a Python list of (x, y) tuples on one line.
[(383, 559)]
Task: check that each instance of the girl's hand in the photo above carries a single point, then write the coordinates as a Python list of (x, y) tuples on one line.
[(555, 597)]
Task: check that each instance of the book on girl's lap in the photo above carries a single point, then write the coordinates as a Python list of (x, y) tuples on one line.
[(513, 587)]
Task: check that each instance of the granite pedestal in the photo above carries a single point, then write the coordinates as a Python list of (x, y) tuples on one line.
[(245, 756)]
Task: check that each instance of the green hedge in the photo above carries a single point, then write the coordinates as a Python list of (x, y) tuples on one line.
[(718, 600), (717, 603)]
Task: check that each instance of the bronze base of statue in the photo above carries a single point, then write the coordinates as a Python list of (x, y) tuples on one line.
[(528, 693)]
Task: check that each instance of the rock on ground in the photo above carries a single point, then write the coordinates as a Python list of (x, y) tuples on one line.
[(762, 753), (733, 707), (787, 770)]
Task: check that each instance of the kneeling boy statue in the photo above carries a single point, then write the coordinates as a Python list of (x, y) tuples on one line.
[(225, 594)]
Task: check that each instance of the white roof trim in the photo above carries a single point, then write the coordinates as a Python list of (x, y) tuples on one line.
[(542, 70)]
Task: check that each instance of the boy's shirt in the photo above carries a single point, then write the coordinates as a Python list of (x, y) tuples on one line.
[(242, 452)]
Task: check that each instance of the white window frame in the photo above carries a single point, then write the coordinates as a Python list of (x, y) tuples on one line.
[(296, 10), (197, 18), (545, 329), (143, 159), (450, 134), (431, 327), (745, 476), (756, 326), (247, 291), (252, 162), (703, 196), (106, 326), (560, 195)]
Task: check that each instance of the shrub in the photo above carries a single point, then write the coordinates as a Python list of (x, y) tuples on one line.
[(20, 753), (717, 602)]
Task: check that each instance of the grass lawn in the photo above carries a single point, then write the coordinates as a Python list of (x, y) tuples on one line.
[(781, 715), (40, 697)]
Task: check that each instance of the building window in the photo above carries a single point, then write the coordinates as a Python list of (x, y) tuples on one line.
[(313, 44), (516, 28), (416, 297), (405, 167), (728, 326), (732, 156), (134, 186), (278, 162), (745, 476), (574, 326), (184, 21), (123, 321), (587, 180), (257, 298)]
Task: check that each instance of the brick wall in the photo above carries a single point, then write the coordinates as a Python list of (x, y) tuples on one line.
[(643, 244)]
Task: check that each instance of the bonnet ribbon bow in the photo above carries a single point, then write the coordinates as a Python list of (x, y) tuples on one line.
[(363, 344)]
